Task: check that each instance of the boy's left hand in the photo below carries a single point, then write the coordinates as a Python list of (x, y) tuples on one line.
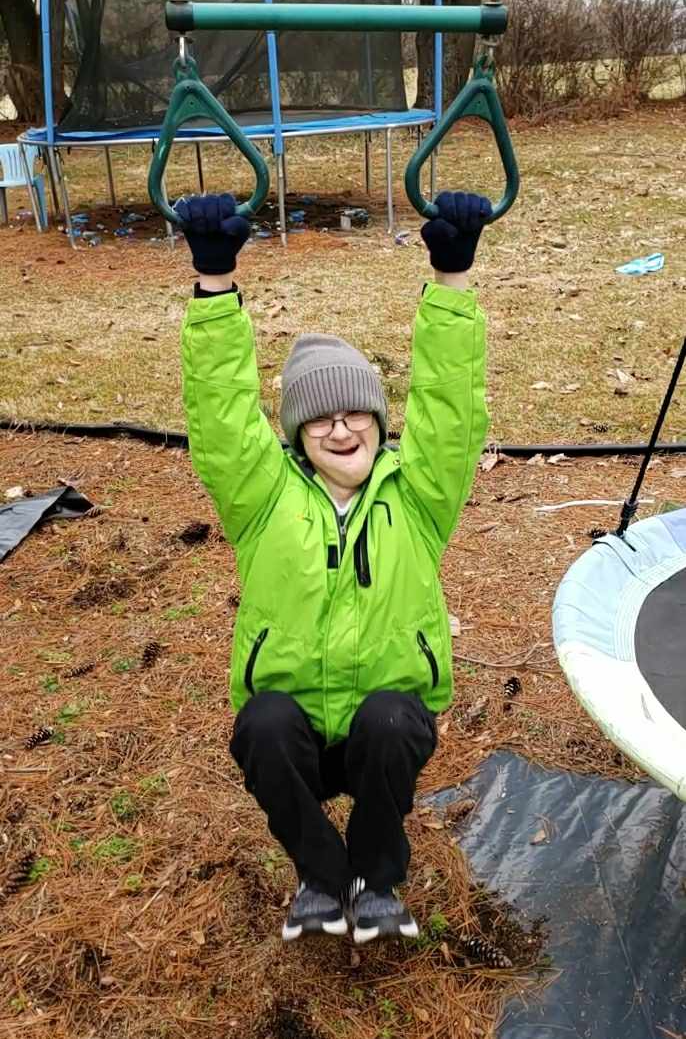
[(452, 236), (213, 231)]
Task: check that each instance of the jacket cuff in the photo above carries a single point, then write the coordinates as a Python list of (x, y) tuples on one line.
[(219, 304)]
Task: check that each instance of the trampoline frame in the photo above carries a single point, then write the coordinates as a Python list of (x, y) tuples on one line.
[(53, 143)]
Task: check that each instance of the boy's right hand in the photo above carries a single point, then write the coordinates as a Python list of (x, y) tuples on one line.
[(213, 231), (453, 235)]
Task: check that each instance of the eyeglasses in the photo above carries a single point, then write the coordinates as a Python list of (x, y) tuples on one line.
[(354, 422)]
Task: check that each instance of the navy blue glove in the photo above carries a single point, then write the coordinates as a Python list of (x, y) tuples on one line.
[(453, 235), (213, 231)]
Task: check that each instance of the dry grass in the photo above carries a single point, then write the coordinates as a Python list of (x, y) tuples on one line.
[(94, 332), (153, 905)]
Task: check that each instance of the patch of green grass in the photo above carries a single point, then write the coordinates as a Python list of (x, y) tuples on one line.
[(124, 806), (54, 656), (123, 664), (273, 860), (49, 683), (156, 785), (69, 712), (133, 883), (177, 613), (40, 868), (115, 850)]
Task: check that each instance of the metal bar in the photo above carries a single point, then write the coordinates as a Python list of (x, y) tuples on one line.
[(30, 188), (110, 175), (183, 17), (438, 72), (46, 51), (167, 223), (59, 168), (201, 175), (281, 195), (433, 172), (389, 179), (367, 162), (45, 153)]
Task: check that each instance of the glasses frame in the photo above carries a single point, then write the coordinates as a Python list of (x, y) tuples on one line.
[(333, 421)]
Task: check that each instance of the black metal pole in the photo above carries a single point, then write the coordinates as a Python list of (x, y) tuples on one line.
[(630, 506)]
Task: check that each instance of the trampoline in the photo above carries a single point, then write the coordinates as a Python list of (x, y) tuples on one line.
[(295, 85), (619, 625)]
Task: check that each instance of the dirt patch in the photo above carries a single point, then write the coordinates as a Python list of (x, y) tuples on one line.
[(282, 1022)]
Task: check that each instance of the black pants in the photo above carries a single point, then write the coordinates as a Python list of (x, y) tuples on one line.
[(290, 772)]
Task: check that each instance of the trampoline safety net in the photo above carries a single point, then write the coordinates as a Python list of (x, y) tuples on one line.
[(120, 56)]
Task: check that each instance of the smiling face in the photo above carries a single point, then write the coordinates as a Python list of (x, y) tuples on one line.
[(343, 458)]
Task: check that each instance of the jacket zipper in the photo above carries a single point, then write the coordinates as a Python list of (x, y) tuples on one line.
[(361, 557), (250, 666), (427, 651)]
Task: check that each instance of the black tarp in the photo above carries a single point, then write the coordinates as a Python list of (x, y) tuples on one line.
[(18, 518), (611, 880)]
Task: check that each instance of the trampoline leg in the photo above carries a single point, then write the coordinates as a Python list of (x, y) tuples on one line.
[(389, 179), (59, 168), (201, 177), (367, 163), (281, 194), (31, 190), (110, 175), (53, 184)]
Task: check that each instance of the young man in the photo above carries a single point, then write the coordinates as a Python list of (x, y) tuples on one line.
[(341, 652)]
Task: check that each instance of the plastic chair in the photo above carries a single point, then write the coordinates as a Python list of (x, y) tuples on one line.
[(12, 176)]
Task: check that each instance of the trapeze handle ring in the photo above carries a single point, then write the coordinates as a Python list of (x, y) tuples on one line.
[(191, 99), (478, 98)]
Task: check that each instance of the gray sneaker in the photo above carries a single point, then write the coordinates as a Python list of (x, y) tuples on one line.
[(313, 912), (379, 914)]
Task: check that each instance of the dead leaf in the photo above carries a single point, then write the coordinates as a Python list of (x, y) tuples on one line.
[(107, 980), (571, 387), (275, 309), (14, 493), (678, 474), (422, 1015), (556, 459), (541, 386), (621, 391), (622, 376), (458, 809), (445, 952), (485, 528), (198, 937), (490, 461), (355, 959), (536, 460), (433, 824), (443, 727), (455, 626), (540, 837)]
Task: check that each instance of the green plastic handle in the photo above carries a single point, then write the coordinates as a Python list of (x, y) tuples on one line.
[(478, 98), (191, 99)]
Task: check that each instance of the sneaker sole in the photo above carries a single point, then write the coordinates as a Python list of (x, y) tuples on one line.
[(386, 929), (314, 927)]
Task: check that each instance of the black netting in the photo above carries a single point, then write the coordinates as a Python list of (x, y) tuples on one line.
[(124, 58)]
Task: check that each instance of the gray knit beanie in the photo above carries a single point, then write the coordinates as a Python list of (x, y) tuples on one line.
[(324, 374)]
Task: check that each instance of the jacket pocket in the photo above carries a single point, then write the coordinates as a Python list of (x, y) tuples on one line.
[(252, 659), (428, 653)]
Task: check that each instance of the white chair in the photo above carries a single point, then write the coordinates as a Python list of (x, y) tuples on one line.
[(12, 175)]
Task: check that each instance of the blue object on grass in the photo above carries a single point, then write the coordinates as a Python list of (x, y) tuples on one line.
[(643, 265)]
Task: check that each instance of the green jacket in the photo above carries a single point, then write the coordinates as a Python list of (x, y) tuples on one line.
[(329, 614)]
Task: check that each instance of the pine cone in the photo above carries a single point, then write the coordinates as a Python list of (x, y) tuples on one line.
[(596, 532), (194, 533), (483, 951), (95, 510), (392, 435), (80, 669), (151, 652), (41, 735), (512, 686), (600, 427), (18, 875)]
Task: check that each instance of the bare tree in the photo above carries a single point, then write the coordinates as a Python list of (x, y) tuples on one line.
[(637, 31), (23, 77)]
